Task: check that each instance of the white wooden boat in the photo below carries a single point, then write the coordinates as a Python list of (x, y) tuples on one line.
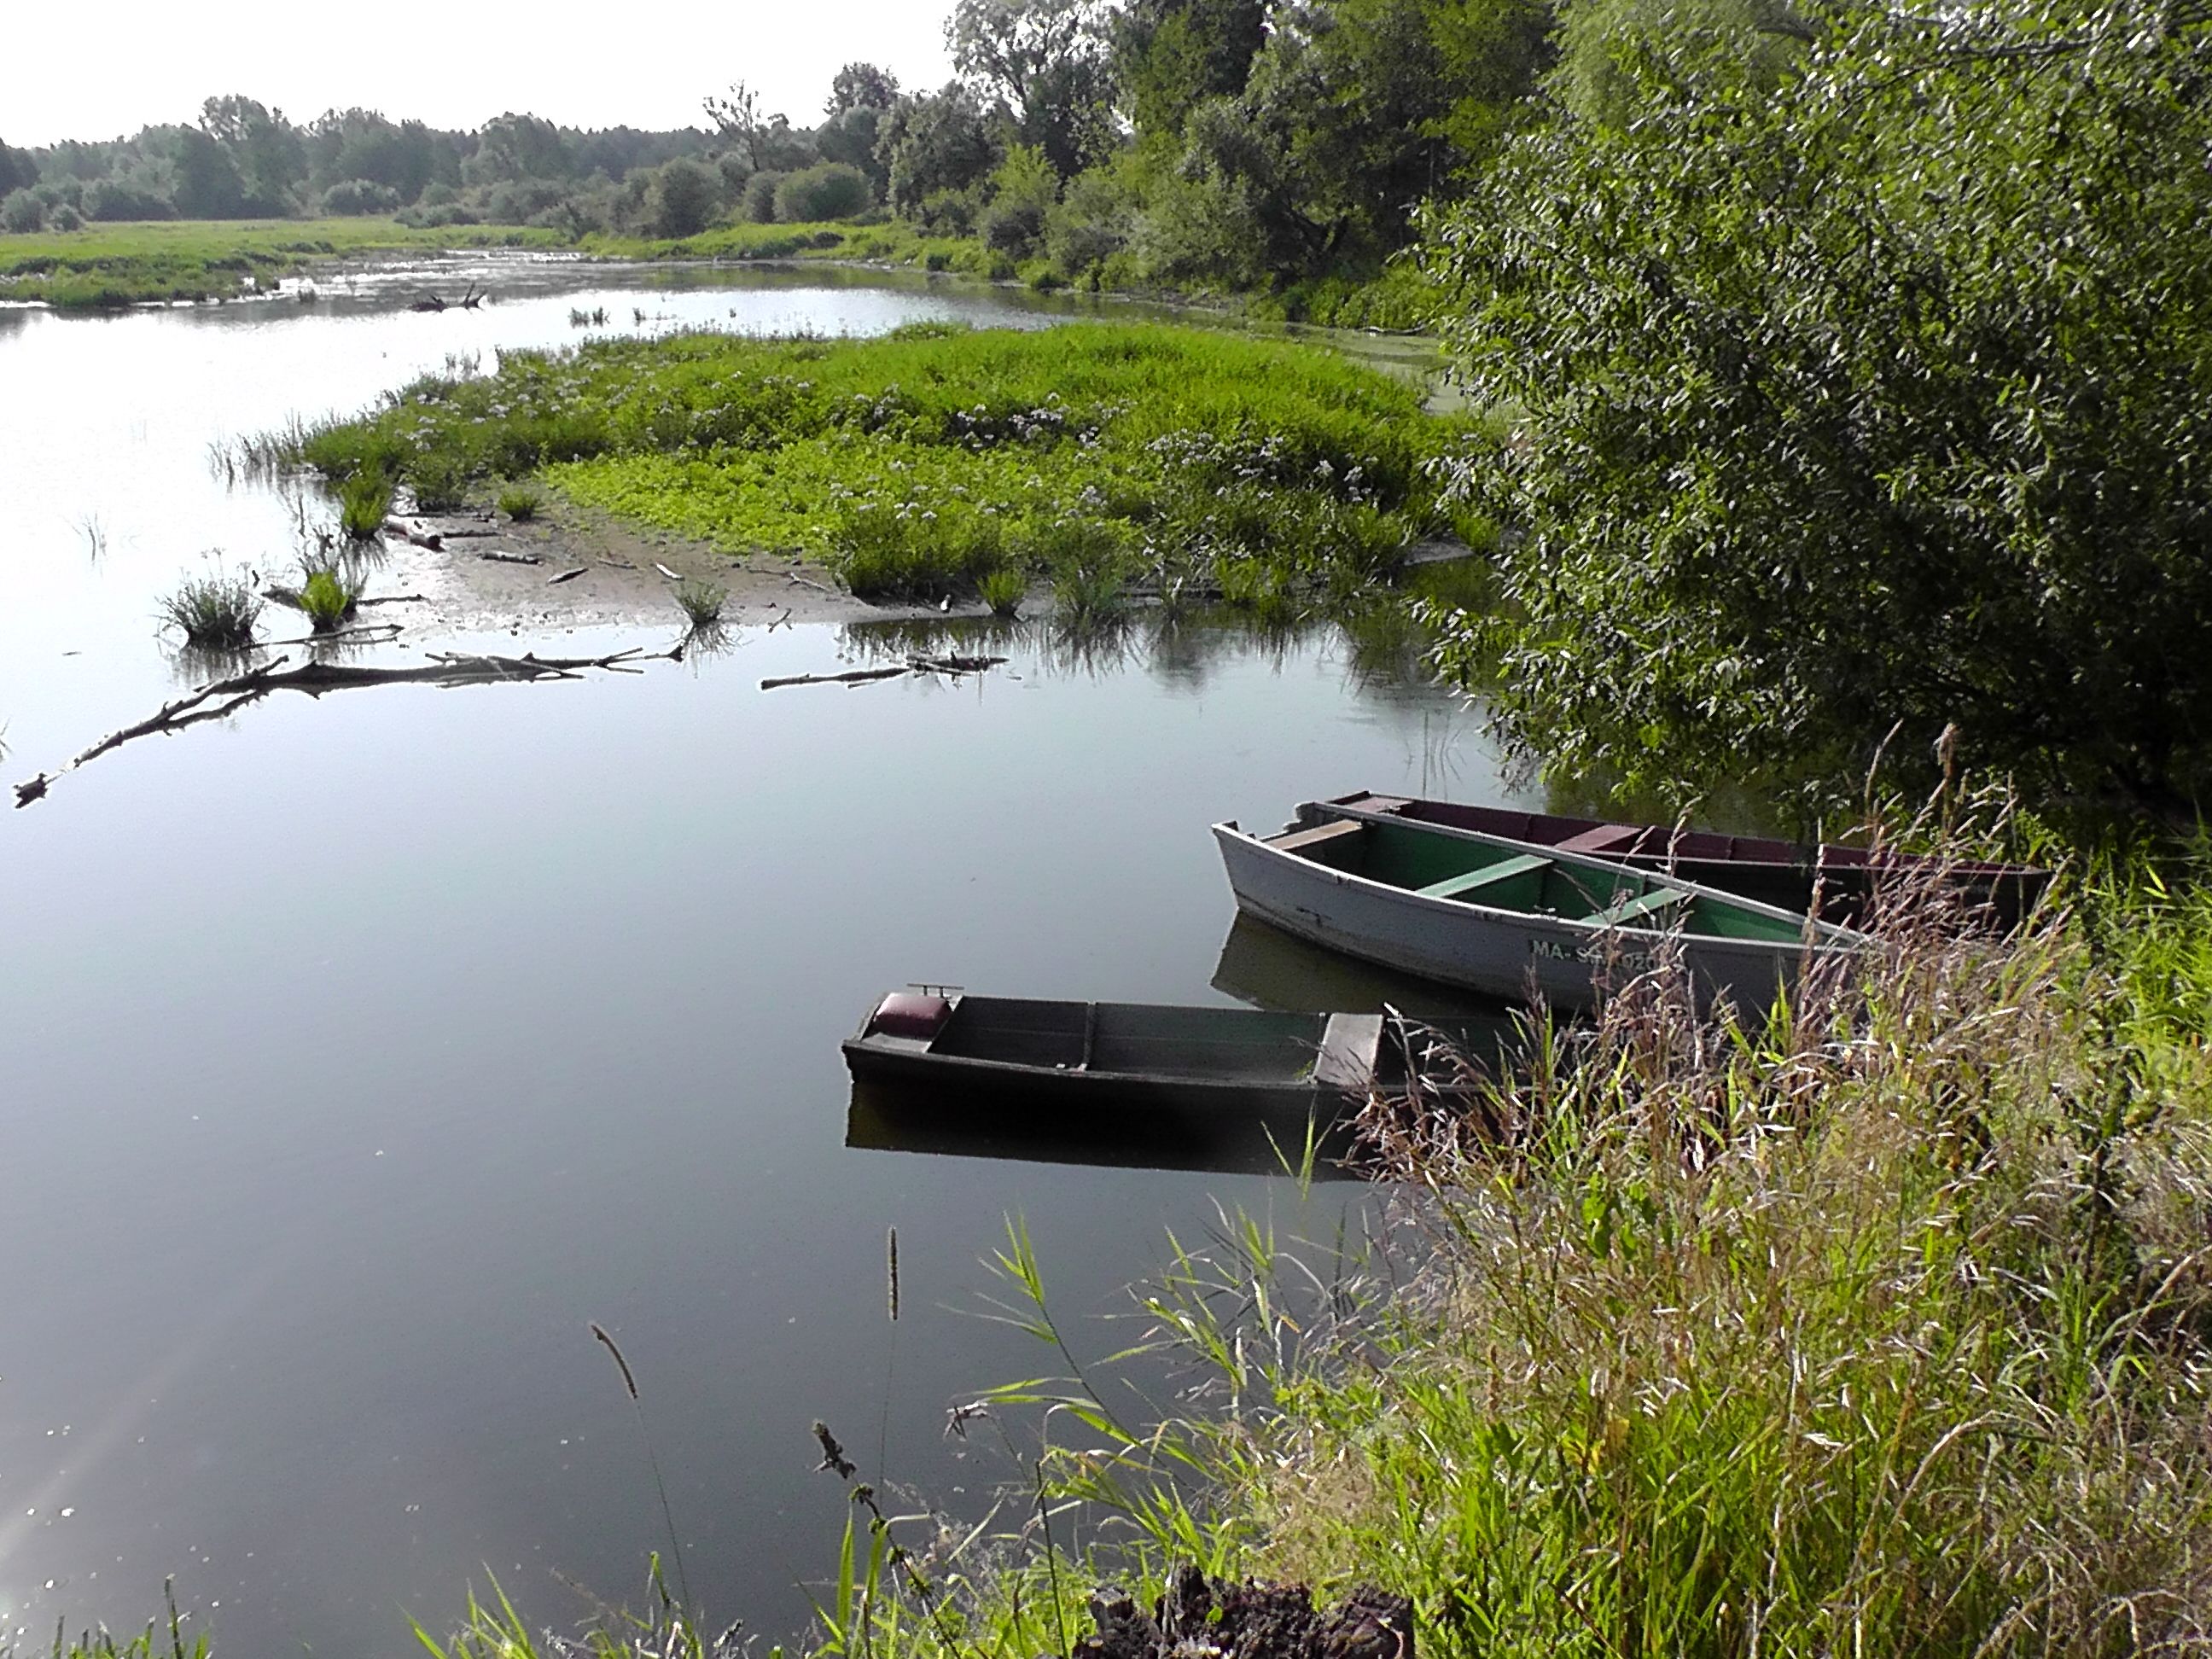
[(1507, 917)]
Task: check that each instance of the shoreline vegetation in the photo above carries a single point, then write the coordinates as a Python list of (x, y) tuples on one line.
[(178, 262)]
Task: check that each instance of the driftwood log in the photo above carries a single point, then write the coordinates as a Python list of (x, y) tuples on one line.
[(227, 697), (468, 302), (952, 666)]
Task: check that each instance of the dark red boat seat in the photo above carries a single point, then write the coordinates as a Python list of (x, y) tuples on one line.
[(910, 1014)]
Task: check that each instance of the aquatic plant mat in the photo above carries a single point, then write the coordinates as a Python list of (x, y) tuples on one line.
[(227, 697)]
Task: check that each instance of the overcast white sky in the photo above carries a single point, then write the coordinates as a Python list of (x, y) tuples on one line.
[(116, 67)]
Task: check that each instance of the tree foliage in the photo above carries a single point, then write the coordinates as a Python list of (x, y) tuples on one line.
[(1048, 63), (861, 85), (937, 142), (1170, 56), (1873, 398)]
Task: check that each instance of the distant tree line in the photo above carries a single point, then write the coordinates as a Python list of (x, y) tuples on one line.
[(1232, 143)]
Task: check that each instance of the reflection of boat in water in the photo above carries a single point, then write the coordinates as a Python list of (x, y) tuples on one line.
[(1139, 1083), (1262, 965), (908, 1117)]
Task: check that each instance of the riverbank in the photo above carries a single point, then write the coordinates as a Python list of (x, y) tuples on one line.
[(214, 261), (945, 466), (199, 261)]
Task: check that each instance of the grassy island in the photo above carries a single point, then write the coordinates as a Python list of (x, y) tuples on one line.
[(941, 458)]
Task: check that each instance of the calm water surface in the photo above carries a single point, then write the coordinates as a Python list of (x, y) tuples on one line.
[(355, 1054)]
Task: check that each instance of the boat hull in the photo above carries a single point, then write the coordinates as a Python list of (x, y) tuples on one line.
[(1502, 953)]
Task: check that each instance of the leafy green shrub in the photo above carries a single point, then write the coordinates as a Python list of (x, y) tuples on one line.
[(1092, 221), (829, 189), (22, 213), (1023, 189), (439, 481), (683, 198), (759, 204), (358, 198)]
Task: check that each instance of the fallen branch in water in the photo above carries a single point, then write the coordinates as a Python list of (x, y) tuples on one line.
[(855, 677), (419, 537), (953, 666), (379, 632), (227, 697), (498, 557)]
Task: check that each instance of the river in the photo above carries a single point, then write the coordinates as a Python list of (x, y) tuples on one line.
[(358, 1054)]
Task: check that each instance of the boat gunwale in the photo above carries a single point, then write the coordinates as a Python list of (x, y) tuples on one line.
[(1778, 854)]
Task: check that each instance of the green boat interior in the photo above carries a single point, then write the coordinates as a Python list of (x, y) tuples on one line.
[(1501, 877)]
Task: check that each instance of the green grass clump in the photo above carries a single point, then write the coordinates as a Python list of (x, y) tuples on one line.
[(521, 502), (364, 502), (328, 599), (1003, 589), (217, 611), (912, 462), (701, 602)]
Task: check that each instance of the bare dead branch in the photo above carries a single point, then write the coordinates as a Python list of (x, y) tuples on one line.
[(227, 697)]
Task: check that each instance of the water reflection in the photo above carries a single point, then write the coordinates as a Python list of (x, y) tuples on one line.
[(955, 1123), (1268, 969)]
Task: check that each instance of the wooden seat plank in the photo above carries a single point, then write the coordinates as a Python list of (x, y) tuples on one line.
[(1459, 885), (1642, 905), (1334, 829)]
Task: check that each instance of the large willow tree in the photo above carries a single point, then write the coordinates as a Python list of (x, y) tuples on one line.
[(1876, 393)]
